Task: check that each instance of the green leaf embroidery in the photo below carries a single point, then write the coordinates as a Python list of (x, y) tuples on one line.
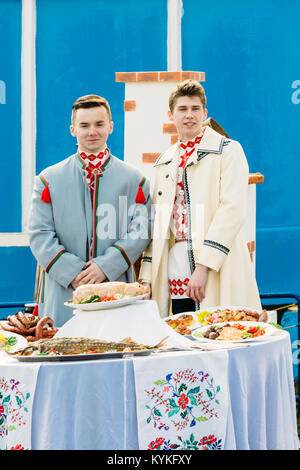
[(182, 387), (193, 400), (201, 418), (209, 393), (18, 400), (173, 411), (192, 391), (172, 403), (160, 382)]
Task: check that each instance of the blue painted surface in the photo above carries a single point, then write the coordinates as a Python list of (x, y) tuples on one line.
[(17, 277), (289, 319), (10, 115), (80, 47), (250, 54)]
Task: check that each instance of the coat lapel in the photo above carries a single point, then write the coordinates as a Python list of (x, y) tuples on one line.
[(211, 142)]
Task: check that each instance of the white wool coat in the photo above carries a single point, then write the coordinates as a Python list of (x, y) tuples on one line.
[(216, 187)]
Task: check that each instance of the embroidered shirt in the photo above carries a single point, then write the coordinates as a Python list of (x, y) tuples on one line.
[(93, 166), (179, 220)]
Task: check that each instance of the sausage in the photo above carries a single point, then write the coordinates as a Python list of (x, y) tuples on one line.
[(23, 318), (40, 325), (5, 325), (13, 320), (49, 332)]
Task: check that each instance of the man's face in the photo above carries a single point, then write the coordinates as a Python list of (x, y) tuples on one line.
[(188, 114), (91, 128)]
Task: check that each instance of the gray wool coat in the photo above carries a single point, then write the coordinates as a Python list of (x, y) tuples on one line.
[(69, 230)]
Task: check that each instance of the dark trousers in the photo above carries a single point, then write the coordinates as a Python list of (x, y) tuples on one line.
[(183, 305)]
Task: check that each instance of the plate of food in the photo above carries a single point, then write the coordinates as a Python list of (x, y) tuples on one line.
[(185, 323), (234, 332), (230, 313), (106, 295), (11, 342)]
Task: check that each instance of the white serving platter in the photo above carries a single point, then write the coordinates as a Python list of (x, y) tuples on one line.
[(109, 304)]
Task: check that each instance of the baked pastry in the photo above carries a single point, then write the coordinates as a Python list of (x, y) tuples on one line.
[(186, 319), (109, 289), (172, 322)]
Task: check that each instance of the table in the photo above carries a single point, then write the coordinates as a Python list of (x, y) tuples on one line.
[(92, 405)]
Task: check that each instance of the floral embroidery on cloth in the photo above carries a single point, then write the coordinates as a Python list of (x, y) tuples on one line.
[(16, 398), (186, 408)]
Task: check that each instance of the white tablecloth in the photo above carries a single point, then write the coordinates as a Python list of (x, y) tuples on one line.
[(92, 404)]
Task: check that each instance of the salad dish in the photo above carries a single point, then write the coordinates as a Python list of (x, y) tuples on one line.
[(11, 342)]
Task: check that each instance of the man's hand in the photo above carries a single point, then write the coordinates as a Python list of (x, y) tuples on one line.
[(147, 284), (196, 286), (90, 274)]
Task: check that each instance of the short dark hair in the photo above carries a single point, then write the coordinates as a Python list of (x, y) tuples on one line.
[(90, 101)]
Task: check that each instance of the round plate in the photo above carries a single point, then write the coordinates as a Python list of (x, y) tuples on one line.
[(21, 341), (206, 312), (269, 330), (106, 304)]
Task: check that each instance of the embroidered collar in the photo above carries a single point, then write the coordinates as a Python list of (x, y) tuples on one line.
[(191, 143)]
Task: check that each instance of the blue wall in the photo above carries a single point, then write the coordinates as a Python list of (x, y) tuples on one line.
[(250, 54), (80, 47), (10, 116)]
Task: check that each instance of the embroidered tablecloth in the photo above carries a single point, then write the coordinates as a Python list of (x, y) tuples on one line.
[(182, 401), (17, 387)]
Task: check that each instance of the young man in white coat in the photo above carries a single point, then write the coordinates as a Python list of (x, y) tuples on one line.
[(90, 214), (198, 255)]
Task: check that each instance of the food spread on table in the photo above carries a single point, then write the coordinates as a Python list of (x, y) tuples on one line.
[(233, 331), (228, 314), (107, 291), (30, 326), (181, 323), (82, 345)]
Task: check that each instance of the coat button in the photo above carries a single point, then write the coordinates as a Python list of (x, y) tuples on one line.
[(159, 193), (167, 176)]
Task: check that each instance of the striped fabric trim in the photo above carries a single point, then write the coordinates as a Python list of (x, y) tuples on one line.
[(123, 253), (142, 182), (44, 181), (216, 245), (81, 160), (95, 205), (54, 260), (42, 288)]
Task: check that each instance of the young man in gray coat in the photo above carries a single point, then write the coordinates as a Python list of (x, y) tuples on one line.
[(90, 214)]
